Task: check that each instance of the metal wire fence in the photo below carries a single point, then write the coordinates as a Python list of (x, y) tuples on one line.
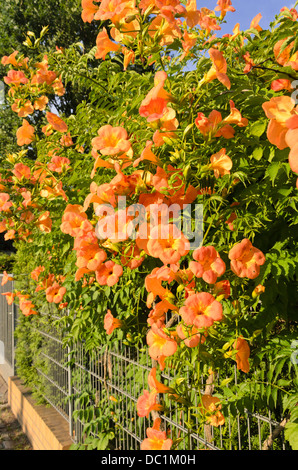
[(86, 389), (8, 316), (98, 392)]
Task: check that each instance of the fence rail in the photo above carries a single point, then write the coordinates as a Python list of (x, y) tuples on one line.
[(82, 388)]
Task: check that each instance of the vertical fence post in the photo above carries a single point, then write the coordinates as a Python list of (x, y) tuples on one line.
[(7, 329), (70, 391), (12, 336), (13, 327)]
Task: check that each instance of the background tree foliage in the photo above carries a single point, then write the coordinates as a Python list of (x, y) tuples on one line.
[(65, 27), (17, 17)]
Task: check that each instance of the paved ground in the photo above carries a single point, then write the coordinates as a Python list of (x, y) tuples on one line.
[(11, 434)]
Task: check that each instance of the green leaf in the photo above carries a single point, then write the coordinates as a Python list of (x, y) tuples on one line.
[(258, 128), (272, 171), (187, 129), (103, 443), (291, 434), (258, 153), (65, 248)]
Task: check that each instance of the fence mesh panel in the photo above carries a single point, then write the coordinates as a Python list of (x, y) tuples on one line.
[(113, 378), (8, 315)]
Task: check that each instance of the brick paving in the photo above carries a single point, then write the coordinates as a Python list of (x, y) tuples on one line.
[(11, 434)]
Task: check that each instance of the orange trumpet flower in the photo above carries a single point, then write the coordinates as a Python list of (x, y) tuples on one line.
[(44, 222), (105, 45), (55, 293), (25, 134), (155, 385), (201, 310), (221, 163), (23, 110), (5, 203), (108, 273), (218, 70), (156, 439), (210, 408), (111, 323), (56, 122), (242, 354), (246, 259), (16, 77), (190, 336), (224, 6), (208, 264), (286, 58), (160, 345), (75, 221), (9, 297), (111, 140), (147, 403), (167, 243), (89, 10), (154, 106)]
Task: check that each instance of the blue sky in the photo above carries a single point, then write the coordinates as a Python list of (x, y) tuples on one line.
[(246, 10)]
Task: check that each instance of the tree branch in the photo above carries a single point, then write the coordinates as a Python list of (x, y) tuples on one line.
[(269, 441)]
